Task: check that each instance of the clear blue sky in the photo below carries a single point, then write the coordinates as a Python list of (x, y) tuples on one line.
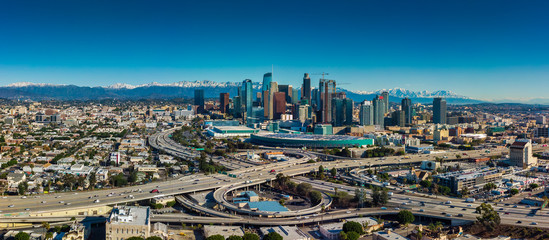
[(483, 49)]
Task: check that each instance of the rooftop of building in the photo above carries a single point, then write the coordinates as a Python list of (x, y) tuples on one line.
[(287, 232), (470, 173), (390, 235), (225, 231), (267, 206), (130, 215)]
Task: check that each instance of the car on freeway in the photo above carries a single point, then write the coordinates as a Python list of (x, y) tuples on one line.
[(61, 201), (68, 203), (96, 201), (43, 202), (10, 206), (383, 208), (155, 190), (421, 210), (27, 209), (460, 215), (534, 223), (519, 221)]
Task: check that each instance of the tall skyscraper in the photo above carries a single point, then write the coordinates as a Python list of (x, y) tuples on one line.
[(199, 99), (439, 111), (306, 87), (223, 102), (342, 111), (385, 96), (267, 79), (295, 96), (279, 104), (407, 108), (247, 96), (379, 111), (327, 90), (237, 106), (398, 118), (287, 89), (366, 113)]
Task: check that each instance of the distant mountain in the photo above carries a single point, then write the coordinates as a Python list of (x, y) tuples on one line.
[(185, 89), (397, 94)]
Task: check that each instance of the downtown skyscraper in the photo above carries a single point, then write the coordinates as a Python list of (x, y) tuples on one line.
[(366, 113), (247, 97), (439, 110), (407, 108), (306, 88), (199, 99), (327, 89), (266, 86), (385, 96), (379, 111)]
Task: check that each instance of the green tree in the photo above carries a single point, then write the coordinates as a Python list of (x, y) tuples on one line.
[(405, 217), (49, 235), (170, 204), (250, 236), (234, 237), (22, 188), (92, 180), (489, 186), (304, 188), (353, 235), (316, 197), (343, 235), (425, 183), (514, 191), (215, 237), (154, 238), (22, 236), (464, 191), (46, 226), (379, 197), (352, 226), (488, 216), (273, 236), (321, 172), (534, 185), (135, 238), (333, 172)]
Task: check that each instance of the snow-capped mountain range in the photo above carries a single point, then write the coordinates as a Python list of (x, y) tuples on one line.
[(185, 89), (183, 84), (402, 93)]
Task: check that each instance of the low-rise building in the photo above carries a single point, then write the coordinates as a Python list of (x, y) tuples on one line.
[(225, 231), (128, 221), (471, 178), (388, 235), (287, 232)]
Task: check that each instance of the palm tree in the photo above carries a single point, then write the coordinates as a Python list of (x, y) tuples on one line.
[(46, 227)]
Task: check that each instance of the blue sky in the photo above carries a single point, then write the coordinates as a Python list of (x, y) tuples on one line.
[(482, 49)]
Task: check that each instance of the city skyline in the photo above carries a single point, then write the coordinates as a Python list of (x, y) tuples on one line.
[(463, 47)]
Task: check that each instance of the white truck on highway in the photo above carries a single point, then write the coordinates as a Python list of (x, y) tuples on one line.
[(470, 200)]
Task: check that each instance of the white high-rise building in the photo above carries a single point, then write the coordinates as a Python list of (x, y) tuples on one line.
[(521, 154)]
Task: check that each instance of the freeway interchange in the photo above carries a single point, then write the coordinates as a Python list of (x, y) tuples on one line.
[(42, 206)]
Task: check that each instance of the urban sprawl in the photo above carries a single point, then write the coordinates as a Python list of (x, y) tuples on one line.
[(275, 162)]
